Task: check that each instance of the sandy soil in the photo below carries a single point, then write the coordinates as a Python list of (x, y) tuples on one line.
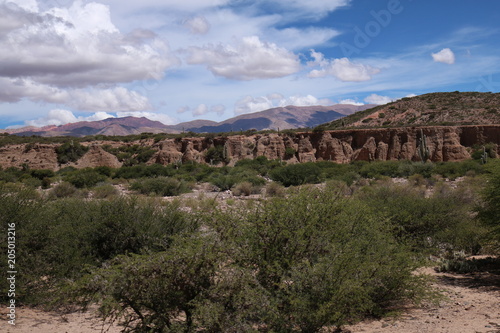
[(471, 304)]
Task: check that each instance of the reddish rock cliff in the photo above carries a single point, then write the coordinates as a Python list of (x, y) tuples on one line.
[(444, 144)]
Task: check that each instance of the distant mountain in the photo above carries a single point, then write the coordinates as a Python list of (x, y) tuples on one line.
[(110, 126), (288, 117), (277, 118), (445, 108)]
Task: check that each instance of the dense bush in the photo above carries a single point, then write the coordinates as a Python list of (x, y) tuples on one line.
[(216, 154), (489, 213), (63, 190), (294, 264), (131, 154), (260, 164), (297, 174), (226, 181), (87, 177), (441, 221), (141, 171), (104, 191), (70, 151), (58, 240), (163, 186)]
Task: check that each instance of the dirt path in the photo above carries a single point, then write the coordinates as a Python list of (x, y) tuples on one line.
[(472, 305)]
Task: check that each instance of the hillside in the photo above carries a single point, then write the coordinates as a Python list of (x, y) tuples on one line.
[(290, 117), (436, 109)]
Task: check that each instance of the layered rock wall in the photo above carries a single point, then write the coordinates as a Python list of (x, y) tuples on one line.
[(444, 143)]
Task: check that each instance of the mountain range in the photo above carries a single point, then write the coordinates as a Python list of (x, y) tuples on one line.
[(289, 117)]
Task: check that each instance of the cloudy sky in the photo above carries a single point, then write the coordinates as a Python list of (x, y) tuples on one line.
[(68, 60)]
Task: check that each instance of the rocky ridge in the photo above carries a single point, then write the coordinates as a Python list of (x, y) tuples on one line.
[(443, 108), (444, 143)]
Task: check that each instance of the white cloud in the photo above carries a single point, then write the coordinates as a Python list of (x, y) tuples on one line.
[(249, 59), (197, 25), (377, 99), (218, 109), (133, 6), (200, 110), (113, 99), (310, 9), (61, 117), (445, 56), (314, 6), (161, 117), (250, 104), (75, 57), (351, 101), (343, 69), (28, 5), (298, 39)]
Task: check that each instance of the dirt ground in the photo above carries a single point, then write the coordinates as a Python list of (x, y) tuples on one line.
[(471, 304)]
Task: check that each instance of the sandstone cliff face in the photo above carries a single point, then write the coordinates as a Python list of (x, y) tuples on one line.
[(38, 156), (344, 146)]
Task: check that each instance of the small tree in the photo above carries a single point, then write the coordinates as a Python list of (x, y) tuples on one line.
[(70, 152)]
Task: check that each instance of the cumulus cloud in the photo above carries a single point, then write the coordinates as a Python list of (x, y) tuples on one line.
[(377, 99), (250, 104), (200, 110), (112, 99), (197, 25), (351, 101), (61, 117), (343, 69), (71, 50), (249, 59), (445, 56)]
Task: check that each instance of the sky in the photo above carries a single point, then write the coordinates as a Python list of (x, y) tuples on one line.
[(64, 61)]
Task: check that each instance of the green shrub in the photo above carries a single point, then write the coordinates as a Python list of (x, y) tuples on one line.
[(441, 221), (216, 154), (297, 174), (489, 211), (85, 178), (329, 262), (260, 164), (70, 151), (141, 171), (163, 186), (104, 191), (274, 189), (380, 168), (41, 174), (245, 188), (63, 190), (148, 293), (289, 152)]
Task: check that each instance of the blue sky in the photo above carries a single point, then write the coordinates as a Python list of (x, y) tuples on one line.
[(173, 61)]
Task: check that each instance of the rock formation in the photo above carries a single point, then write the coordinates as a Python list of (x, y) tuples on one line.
[(444, 143)]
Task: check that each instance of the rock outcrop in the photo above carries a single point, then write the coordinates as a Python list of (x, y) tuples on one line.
[(37, 156), (444, 143), (97, 157)]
